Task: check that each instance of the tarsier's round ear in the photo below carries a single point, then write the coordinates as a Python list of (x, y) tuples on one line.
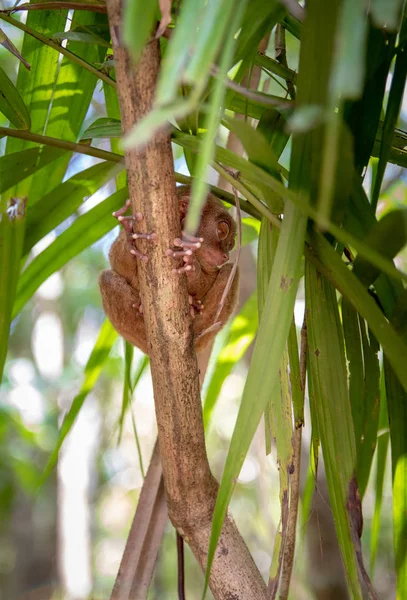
[(183, 206)]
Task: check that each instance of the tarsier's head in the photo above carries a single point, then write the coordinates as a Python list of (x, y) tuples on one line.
[(217, 227)]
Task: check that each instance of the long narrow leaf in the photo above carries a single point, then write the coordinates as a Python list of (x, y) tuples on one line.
[(86, 230), (329, 381)]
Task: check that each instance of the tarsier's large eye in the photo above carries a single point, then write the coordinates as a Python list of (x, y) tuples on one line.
[(223, 230)]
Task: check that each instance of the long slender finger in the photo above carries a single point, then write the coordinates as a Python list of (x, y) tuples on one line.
[(138, 254), (175, 254), (186, 244), (145, 236), (122, 210), (184, 269)]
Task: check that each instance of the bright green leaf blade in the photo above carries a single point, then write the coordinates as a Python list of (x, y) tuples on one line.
[(17, 166), (12, 224), (86, 230), (388, 236), (329, 382), (138, 22), (241, 334), (371, 405), (333, 268), (354, 355), (363, 115), (37, 89), (212, 120), (105, 127), (383, 438), (64, 200), (178, 51), (397, 407), (393, 105), (12, 105), (349, 65), (93, 369)]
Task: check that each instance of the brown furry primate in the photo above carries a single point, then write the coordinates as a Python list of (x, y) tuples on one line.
[(205, 263)]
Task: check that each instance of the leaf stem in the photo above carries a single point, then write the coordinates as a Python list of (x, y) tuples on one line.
[(58, 48)]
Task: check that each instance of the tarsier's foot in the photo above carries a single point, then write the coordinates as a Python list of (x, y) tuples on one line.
[(196, 306), (128, 225), (189, 244)]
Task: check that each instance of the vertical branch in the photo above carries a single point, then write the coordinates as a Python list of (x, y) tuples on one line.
[(189, 485)]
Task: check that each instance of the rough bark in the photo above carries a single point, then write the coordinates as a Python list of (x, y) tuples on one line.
[(189, 485)]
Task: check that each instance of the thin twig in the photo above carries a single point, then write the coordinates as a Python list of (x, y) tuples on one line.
[(46, 140), (181, 567), (58, 48), (99, 8), (281, 56), (264, 99)]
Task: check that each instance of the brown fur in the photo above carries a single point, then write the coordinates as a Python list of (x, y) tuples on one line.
[(206, 282)]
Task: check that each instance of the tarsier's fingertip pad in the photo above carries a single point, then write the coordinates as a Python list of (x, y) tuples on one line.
[(169, 252)]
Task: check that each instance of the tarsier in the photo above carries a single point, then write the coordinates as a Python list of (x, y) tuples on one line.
[(204, 261)]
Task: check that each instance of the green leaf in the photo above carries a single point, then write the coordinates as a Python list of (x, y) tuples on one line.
[(104, 127), (397, 411), (354, 355), (349, 64), (138, 22), (17, 166), (212, 119), (363, 115), (12, 105), (393, 107), (64, 200), (385, 13), (86, 230), (93, 369), (37, 89), (382, 446), (333, 268), (371, 404), (12, 223), (240, 336), (250, 230), (178, 51), (397, 407), (387, 237), (256, 146), (331, 401), (82, 37)]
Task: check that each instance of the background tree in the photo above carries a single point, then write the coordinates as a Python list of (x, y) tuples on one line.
[(313, 142)]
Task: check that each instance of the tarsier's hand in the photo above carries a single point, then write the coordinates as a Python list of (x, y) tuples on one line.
[(128, 225), (189, 245)]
